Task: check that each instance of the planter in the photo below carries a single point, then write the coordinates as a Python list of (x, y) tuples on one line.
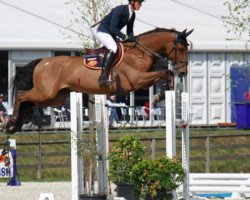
[(168, 195), (93, 197), (126, 191)]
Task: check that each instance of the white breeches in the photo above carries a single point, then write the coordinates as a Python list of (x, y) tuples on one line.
[(105, 39)]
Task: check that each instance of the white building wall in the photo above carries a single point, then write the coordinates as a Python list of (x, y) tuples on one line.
[(197, 88), (216, 88), (209, 85)]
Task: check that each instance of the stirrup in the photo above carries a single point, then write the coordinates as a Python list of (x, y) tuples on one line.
[(105, 81)]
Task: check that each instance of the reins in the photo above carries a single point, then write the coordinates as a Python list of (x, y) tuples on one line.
[(161, 57), (174, 62), (150, 51)]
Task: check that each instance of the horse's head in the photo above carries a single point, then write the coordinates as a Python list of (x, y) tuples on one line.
[(177, 52)]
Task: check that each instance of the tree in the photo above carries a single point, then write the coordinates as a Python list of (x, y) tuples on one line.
[(85, 14), (237, 21)]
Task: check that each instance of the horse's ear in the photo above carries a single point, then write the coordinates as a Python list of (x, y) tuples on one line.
[(189, 32), (183, 33)]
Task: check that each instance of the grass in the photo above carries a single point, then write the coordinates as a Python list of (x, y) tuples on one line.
[(64, 173)]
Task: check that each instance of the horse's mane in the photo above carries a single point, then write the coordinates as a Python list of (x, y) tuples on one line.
[(157, 30)]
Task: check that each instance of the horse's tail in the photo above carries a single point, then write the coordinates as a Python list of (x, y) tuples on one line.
[(23, 81)]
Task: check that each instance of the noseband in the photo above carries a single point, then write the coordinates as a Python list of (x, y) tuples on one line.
[(176, 61)]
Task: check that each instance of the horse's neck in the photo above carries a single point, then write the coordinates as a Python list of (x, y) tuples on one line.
[(156, 42)]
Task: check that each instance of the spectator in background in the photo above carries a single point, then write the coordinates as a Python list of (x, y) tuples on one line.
[(111, 103), (123, 101), (113, 106), (3, 111)]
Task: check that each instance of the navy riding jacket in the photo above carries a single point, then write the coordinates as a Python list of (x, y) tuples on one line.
[(116, 20)]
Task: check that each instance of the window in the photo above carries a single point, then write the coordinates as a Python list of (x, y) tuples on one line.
[(62, 53)]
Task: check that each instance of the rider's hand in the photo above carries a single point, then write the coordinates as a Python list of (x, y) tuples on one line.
[(128, 38), (131, 38)]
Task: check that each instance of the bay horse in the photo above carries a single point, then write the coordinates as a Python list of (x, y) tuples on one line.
[(48, 81)]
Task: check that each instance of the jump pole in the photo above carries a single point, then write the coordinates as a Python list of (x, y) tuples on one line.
[(76, 131), (185, 141), (170, 98), (170, 124), (102, 139)]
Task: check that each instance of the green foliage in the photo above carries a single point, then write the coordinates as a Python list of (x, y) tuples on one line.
[(86, 149), (127, 152), (157, 178), (86, 13), (237, 21)]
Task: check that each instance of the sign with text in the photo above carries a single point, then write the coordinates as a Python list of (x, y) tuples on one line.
[(6, 165)]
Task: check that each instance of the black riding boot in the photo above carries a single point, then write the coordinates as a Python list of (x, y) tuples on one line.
[(103, 79)]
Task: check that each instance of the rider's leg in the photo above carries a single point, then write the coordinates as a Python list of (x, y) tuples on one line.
[(108, 41), (108, 59)]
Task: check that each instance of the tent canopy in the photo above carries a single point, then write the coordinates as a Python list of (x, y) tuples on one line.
[(39, 24)]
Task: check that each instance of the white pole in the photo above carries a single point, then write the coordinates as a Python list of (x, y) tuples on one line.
[(102, 142), (170, 124), (131, 107), (151, 98), (185, 142), (76, 131)]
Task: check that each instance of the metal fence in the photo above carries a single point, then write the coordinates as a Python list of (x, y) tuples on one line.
[(155, 146)]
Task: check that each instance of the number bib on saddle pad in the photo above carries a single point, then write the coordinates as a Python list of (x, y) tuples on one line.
[(93, 58)]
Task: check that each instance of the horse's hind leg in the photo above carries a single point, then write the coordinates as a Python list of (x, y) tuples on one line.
[(40, 100), (31, 95), (16, 121)]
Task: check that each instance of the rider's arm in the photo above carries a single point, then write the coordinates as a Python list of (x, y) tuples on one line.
[(114, 25), (130, 25)]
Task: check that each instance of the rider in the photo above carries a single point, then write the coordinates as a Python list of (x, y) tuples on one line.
[(109, 29)]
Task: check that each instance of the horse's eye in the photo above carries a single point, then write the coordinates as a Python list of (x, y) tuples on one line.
[(181, 48)]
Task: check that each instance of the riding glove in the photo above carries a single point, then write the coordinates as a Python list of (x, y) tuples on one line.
[(128, 38)]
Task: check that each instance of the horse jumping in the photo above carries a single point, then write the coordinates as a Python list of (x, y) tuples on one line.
[(48, 81)]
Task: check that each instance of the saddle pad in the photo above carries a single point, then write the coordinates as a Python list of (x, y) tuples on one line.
[(94, 60)]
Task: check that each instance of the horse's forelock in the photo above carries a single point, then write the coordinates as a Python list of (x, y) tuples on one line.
[(181, 38)]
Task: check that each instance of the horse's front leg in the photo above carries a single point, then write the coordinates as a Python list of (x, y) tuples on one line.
[(147, 79), (10, 125)]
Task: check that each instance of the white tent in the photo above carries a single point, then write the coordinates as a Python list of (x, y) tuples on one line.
[(39, 24)]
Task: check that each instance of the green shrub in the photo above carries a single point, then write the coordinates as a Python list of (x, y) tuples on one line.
[(127, 152), (157, 179)]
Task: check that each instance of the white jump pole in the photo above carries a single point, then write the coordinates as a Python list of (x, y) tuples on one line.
[(170, 99), (102, 140), (77, 179), (170, 124), (185, 141)]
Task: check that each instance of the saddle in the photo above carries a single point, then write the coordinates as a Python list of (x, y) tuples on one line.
[(93, 58)]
